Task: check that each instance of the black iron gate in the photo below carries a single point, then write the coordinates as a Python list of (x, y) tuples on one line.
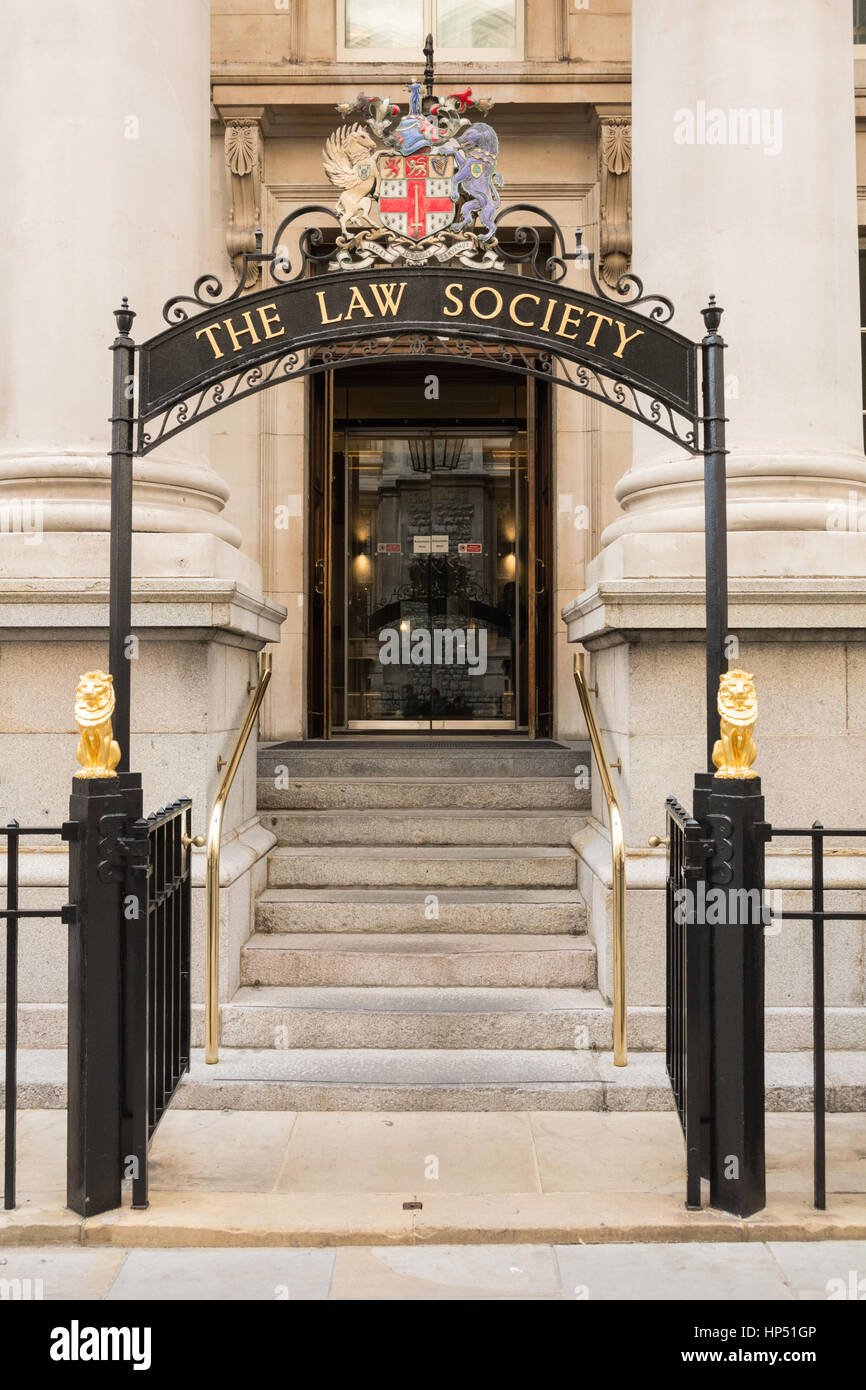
[(129, 984), (13, 914), (129, 925), (816, 834), (716, 914), (688, 997), (156, 979)]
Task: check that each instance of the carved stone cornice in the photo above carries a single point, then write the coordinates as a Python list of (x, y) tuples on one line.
[(243, 162), (614, 172)]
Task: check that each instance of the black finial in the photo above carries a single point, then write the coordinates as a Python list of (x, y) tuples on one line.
[(123, 317), (712, 315), (428, 70)]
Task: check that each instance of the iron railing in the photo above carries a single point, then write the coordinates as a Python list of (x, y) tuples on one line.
[(12, 915), (617, 856), (687, 992), (817, 915), (156, 978)]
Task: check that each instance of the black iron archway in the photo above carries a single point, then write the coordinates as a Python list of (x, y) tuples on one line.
[(322, 317)]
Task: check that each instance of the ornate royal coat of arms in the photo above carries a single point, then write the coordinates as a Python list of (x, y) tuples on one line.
[(415, 187)]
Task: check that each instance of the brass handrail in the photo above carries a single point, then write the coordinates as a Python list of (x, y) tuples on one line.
[(617, 856), (212, 881)]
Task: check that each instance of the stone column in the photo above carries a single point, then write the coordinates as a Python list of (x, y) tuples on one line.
[(107, 185), (744, 185), (105, 112)]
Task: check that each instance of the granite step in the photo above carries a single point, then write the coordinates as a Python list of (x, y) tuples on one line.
[(560, 911), (429, 827), (480, 1079), (328, 1016), (419, 1079), (487, 866), (434, 959), (484, 758), (425, 793)]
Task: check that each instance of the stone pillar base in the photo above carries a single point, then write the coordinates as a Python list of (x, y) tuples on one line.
[(805, 642), (198, 644)]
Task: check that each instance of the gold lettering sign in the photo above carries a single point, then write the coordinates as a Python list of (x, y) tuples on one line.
[(294, 320), (350, 303), (269, 317)]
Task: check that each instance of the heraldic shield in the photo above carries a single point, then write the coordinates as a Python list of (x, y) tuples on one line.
[(415, 193)]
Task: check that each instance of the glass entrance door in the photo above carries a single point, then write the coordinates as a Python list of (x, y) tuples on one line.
[(430, 526)]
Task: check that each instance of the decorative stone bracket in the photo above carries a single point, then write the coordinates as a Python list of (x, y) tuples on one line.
[(614, 169), (243, 151)]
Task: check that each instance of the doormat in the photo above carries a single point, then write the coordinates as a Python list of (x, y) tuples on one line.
[(491, 742)]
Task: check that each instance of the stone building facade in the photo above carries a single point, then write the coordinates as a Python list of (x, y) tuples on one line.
[(683, 141)]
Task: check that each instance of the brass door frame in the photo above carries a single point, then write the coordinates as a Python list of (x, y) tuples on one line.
[(321, 472), (531, 560), (320, 565)]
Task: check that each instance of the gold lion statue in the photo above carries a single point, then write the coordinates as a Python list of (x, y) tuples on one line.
[(735, 751), (97, 751)]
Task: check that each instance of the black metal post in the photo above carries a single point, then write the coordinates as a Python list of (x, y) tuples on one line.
[(136, 996), (736, 931), (702, 996), (97, 874), (120, 572), (12, 842), (819, 1096), (715, 513)]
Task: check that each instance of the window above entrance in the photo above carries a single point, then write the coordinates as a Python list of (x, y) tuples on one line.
[(395, 29)]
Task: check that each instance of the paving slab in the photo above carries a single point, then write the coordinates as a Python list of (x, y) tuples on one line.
[(789, 1140), (833, 1271), (343, 1178), (239, 1275), (50, 1274), (577, 1152), (219, 1151), (662, 1273), (409, 1153), (447, 1272)]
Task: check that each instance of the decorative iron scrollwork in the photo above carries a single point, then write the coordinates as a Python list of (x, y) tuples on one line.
[(662, 417), (208, 291), (628, 289)]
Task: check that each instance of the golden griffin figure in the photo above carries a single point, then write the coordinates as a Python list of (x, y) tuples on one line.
[(97, 751), (349, 164), (735, 751)]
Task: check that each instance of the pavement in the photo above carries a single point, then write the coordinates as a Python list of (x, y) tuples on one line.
[(223, 1179), (768, 1270)]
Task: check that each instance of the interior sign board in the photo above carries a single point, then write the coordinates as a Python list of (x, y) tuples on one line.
[(430, 545), (469, 548), (457, 303), (389, 548)]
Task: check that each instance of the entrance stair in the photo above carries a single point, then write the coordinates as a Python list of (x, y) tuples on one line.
[(421, 943)]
